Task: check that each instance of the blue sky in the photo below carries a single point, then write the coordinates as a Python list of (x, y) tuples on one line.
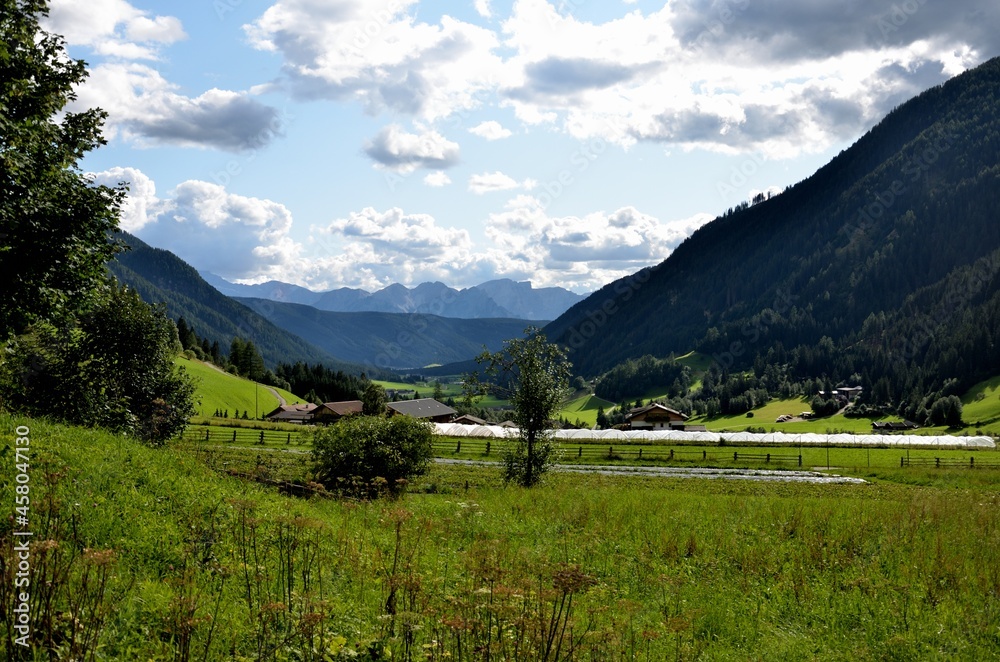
[(333, 143)]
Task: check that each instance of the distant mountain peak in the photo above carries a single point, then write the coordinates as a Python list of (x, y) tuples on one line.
[(499, 298)]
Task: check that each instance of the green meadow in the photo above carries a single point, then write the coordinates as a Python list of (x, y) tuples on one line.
[(584, 409), (143, 553), (226, 392)]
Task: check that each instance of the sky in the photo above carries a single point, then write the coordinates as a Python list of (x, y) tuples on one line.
[(359, 143)]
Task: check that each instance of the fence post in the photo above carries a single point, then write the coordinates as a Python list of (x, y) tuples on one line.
[(487, 448), (900, 461), (261, 437), (800, 459), (458, 448), (704, 454), (736, 456), (611, 452), (289, 440), (768, 460), (672, 454), (937, 462), (640, 452), (579, 453), (206, 434), (234, 436), (972, 461)]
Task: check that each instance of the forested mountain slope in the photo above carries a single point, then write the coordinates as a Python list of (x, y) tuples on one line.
[(390, 340), (160, 276), (899, 230)]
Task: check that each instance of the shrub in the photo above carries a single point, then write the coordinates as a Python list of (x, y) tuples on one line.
[(367, 456)]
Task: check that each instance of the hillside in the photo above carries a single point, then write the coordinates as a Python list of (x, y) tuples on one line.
[(390, 340), (217, 390), (160, 276), (892, 244)]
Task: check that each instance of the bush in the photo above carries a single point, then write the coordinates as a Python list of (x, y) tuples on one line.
[(111, 367), (368, 456)]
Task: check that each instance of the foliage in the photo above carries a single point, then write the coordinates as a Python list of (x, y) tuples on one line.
[(947, 411), (54, 224), (112, 367), (323, 383), (370, 455), (636, 376), (533, 375), (373, 400)]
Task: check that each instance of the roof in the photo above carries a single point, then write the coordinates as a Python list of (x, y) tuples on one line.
[(345, 408), (422, 408), (655, 408), (469, 420), (297, 412)]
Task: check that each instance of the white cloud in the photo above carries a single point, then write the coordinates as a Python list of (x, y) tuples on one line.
[(403, 152), (581, 253), (491, 130), (490, 182), (141, 206), (732, 76), (235, 236), (372, 249), (378, 53), (145, 108), (113, 27), (483, 8), (437, 179), (250, 239)]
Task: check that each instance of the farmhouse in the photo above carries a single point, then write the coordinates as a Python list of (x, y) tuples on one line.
[(300, 413), (655, 417), (330, 412), (427, 409)]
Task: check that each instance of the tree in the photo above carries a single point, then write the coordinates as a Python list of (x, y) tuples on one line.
[(373, 400), (947, 411), (533, 375), (54, 224), (112, 367), (367, 456), (602, 419)]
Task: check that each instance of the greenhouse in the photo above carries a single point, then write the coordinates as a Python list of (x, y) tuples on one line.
[(747, 438)]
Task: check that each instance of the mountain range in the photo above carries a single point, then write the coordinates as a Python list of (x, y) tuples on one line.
[(502, 298), (882, 267), (356, 342), (160, 277)]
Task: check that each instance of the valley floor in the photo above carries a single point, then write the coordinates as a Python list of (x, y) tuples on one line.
[(141, 553)]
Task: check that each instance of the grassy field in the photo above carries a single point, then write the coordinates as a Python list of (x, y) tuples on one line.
[(981, 404), (223, 391), (448, 390), (584, 409), (143, 553), (765, 417)]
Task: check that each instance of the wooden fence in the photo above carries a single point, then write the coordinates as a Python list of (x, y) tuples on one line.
[(940, 462), (222, 435)]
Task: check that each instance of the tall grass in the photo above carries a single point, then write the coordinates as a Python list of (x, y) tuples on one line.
[(148, 554)]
